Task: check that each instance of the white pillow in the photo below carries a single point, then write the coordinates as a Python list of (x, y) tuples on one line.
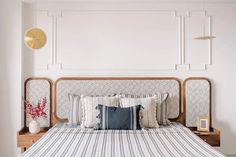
[(75, 109), (90, 109), (147, 114), (162, 109), (161, 105)]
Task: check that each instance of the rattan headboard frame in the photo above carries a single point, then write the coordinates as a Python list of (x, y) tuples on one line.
[(50, 97), (55, 118), (184, 94)]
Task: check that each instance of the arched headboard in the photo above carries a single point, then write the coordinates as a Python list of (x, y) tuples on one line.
[(111, 85)]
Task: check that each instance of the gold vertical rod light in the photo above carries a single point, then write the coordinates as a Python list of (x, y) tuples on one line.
[(204, 36)]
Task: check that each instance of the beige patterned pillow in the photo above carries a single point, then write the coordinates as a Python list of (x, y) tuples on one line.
[(90, 113), (162, 109), (161, 105), (147, 114)]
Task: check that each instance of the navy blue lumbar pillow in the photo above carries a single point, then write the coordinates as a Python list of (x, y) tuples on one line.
[(116, 118)]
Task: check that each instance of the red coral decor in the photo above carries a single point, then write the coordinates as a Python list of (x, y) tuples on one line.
[(36, 111)]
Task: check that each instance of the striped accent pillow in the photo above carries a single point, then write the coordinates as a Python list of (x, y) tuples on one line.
[(147, 114), (161, 105), (162, 109), (116, 118), (90, 112), (75, 110)]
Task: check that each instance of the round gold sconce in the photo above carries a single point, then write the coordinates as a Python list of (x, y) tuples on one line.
[(35, 38)]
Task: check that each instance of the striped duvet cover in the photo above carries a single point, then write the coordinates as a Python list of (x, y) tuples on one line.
[(174, 140)]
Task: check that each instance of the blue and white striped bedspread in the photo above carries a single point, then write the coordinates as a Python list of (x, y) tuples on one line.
[(172, 141)]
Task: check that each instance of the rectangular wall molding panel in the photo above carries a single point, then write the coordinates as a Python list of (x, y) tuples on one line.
[(197, 53), (124, 40)]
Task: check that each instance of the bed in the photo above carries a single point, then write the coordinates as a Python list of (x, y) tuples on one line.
[(171, 140)]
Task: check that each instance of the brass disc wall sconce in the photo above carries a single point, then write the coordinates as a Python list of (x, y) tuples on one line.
[(35, 38)]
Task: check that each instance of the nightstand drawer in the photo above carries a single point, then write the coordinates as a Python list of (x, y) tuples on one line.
[(213, 140)]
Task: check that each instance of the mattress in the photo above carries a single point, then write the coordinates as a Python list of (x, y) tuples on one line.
[(174, 140)]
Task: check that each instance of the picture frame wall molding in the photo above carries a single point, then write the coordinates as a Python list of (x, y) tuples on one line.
[(181, 60), (172, 67), (203, 66), (54, 64)]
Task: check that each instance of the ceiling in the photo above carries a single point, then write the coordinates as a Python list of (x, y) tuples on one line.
[(134, 1)]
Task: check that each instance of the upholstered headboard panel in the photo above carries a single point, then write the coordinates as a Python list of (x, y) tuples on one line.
[(106, 86), (35, 90), (197, 93)]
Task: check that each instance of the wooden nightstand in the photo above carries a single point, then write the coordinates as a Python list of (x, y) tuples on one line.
[(25, 139), (212, 137)]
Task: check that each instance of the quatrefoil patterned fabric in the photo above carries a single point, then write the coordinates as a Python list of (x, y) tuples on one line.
[(197, 100), (37, 90), (109, 87)]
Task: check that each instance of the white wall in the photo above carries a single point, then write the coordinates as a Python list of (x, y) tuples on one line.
[(128, 39), (221, 71), (10, 76)]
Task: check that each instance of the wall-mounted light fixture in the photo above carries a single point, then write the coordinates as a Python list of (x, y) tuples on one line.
[(204, 36), (35, 38)]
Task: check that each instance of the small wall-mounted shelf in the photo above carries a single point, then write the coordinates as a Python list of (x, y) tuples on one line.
[(25, 139), (212, 137)]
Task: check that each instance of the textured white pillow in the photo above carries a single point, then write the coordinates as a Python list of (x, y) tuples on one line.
[(90, 111), (75, 109), (162, 109), (147, 114)]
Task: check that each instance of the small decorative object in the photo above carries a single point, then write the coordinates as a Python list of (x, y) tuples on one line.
[(35, 38), (203, 123), (34, 127), (35, 112)]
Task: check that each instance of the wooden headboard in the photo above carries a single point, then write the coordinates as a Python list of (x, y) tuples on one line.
[(197, 88), (111, 85), (35, 89), (197, 99)]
